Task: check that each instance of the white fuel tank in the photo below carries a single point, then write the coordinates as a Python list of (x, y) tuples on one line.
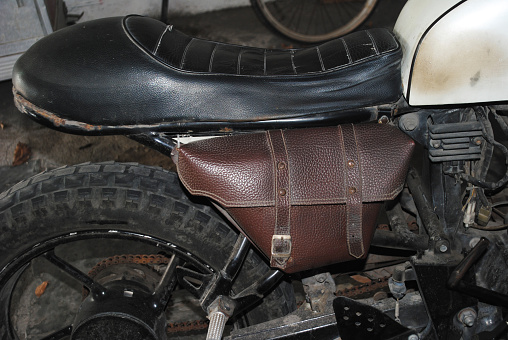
[(455, 52)]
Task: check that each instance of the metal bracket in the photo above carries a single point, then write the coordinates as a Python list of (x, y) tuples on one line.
[(356, 320), (319, 290), (210, 287)]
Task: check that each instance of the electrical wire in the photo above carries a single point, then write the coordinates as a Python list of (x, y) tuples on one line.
[(482, 115)]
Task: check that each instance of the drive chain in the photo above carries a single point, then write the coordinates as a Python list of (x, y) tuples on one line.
[(370, 287), (188, 326)]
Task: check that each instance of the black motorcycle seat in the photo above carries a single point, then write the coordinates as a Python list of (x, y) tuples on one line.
[(136, 73)]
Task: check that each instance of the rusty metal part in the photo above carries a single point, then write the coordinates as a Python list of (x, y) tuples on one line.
[(373, 286), (33, 110), (187, 326), (196, 325), (26, 107), (319, 289), (125, 259)]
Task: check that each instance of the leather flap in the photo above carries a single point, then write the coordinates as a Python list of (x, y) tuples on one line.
[(239, 170)]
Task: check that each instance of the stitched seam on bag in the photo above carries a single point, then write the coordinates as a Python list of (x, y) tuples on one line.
[(360, 189), (346, 183), (232, 204), (167, 29), (241, 204), (289, 180), (373, 42), (250, 204), (274, 169), (271, 203)]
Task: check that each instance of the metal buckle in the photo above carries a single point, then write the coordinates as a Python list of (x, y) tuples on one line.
[(281, 246)]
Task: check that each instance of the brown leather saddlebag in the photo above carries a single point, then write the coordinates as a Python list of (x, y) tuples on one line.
[(305, 197)]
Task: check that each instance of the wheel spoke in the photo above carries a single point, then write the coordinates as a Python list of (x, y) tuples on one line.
[(299, 17), (59, 334), (95, 288), (330, 20), (289, 16)]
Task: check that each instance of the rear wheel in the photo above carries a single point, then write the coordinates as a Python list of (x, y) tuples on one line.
[(121, 225), (313, 21)]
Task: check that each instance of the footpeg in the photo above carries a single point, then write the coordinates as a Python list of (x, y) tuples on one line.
[(216, 327), (218, 313)]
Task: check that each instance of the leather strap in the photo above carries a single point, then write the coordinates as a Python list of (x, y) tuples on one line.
[(281, 239), (353, 187)]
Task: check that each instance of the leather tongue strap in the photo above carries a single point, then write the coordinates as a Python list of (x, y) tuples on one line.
[(353, 187), (281, 239)]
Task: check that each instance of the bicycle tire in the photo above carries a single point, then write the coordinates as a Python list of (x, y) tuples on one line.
[(279, 15)]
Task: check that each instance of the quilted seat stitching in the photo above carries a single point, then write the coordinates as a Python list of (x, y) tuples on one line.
[(167, 29)]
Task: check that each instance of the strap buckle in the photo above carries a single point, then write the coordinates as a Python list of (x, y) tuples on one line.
[(281, 248)]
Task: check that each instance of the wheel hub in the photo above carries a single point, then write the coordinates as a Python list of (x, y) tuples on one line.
[(127, 310), (113, 326)]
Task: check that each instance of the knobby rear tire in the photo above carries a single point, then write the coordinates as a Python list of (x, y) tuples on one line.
[(131, 198)]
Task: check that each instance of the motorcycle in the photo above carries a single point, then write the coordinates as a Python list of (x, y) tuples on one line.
[(287, 163)]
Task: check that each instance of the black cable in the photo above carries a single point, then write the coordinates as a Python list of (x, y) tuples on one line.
[(483, 118)]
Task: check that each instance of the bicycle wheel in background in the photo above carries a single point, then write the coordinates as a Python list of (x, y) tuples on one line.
[(313, 21)]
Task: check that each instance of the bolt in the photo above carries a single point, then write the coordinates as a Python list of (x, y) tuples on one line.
[(474, 241), (409, 122), (321, 278), (383, 120), (435, 144), (225, 305), (469, 320), (380, 296), (467, 316), (477, 140), (443, 248), (413, 337)]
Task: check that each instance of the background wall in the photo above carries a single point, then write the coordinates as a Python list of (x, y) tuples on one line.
[(94, 9)]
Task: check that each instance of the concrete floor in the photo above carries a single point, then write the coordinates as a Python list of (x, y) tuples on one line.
[(51, 149)]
